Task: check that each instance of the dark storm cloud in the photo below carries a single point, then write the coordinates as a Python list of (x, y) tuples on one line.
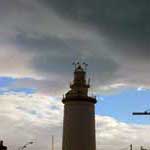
[(48, 43), (40, 43), (54, 55), (112, 36), (123, 21), (115, 15)]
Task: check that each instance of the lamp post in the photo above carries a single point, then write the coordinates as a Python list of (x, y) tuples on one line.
[(25, 145)]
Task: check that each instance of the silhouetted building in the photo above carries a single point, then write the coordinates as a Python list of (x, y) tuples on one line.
[(2, 147), (79, 114)]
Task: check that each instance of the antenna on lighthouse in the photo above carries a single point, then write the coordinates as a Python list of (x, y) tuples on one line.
[(85, 65), (74, 64)]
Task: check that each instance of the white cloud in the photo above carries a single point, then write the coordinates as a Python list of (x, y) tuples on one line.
[(26, 117), (111, 132), (141, 89)]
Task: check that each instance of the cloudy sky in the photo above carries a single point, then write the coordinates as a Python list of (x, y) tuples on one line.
[(39, 40)]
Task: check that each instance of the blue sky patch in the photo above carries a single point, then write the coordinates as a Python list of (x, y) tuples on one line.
[(5, 86), (5, 81), (121, 105)]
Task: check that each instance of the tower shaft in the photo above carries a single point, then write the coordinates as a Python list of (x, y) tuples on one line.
[(79, 126)]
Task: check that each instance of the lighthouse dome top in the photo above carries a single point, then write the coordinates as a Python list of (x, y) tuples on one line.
[(80, 67)]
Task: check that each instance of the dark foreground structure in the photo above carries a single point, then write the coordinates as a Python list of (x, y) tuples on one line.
[(2, 147), (79, 114)]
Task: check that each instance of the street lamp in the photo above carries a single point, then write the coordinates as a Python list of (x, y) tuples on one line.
[(25, 145)]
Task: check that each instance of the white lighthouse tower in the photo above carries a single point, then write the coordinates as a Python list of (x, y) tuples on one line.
[(79, 114)]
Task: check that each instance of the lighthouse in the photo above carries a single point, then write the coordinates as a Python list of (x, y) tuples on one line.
[(79, 113)]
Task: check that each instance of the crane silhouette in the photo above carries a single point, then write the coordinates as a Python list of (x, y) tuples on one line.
[(146, 112)]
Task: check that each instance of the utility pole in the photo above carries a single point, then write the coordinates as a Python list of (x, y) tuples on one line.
[(52, 142), (145, 113), (131, 146)]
